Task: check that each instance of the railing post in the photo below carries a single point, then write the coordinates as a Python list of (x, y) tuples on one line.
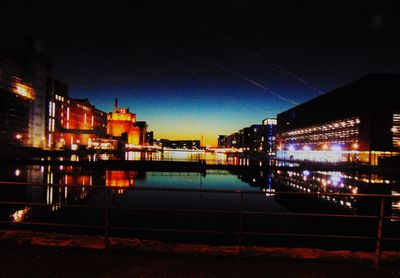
[(378, 248), (240, 222), (106, 232)]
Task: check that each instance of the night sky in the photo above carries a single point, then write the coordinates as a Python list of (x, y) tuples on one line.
[(208, 68)]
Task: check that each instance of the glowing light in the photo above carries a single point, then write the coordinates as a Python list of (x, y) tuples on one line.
[(336, 148), (17, 172), (355, 146), (291, 148), (325, 146), (18, 136), (306, 148), (24, 91), (335, 180), (306, 173), (19, 215)]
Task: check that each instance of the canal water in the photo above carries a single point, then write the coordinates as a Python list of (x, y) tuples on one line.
[(200, 207)]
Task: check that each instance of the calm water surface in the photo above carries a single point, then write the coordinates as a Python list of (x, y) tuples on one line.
[(130, 207)]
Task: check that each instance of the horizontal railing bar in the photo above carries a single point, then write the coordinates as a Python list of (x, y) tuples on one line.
[(196, 211), (30, 223), (392, 217), (243, 233), (54, 204), (194, 231), (247, 212), (391, 238)]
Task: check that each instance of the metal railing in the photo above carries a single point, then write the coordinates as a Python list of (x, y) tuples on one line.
[(241, 212)]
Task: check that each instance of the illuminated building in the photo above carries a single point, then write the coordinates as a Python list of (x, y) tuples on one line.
[(269, 136), (178, 144), (254, 139), (23, 73), (122, 122), (82, 124), (359, 122), (57, 98), (255, 135), (15, 111)]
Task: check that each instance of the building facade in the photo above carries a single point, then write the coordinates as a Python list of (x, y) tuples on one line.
[(358, 122), (82, 124), (222, 141), (122, 124), (23, 72), (269, 136), (57, 103), (16, 103)]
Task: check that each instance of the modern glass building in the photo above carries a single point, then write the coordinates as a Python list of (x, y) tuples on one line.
[(359, 122)]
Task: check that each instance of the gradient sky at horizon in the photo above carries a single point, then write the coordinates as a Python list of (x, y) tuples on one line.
[(200, 69)]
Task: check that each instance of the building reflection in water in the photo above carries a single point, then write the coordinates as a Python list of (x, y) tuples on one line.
[(74, 185), (189, 156), (321, 182), (120, 180)]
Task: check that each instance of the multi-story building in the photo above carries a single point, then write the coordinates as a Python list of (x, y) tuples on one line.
[(268, 138), (222, 141), (82, 124), (16, 100), (35, 110), (150, 138), (122, 123), (23, 72), (142, 125), (255, 138), (57, 97), (359, 122)]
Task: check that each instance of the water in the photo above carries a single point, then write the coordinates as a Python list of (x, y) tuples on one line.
[(154, 201), (170, 155)]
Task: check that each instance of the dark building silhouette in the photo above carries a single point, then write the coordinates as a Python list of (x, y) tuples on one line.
[(150, 138), (142, 125), (358, 122), (222, 141)]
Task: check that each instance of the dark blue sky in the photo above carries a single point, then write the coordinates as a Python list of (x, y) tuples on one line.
[(205, 68)]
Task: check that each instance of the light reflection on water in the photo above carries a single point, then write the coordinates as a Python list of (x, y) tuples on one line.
[(122, 182), (188, 156), (168, 155)]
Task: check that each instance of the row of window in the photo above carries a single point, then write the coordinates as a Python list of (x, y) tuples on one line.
[(329, 126)]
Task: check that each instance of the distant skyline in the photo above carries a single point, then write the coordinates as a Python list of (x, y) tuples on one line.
[(203, 69)]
